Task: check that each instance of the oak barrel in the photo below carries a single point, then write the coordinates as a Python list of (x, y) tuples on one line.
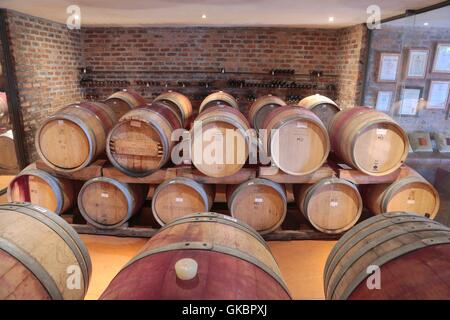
[(42, 189), (411, 252), (8, 156), (220, 141), (42, 257), (179, 102), (180, 196), (368, 140), (261, 107), (410, 194), (260, 203), (75, 136), (107, 203), (3, 106), (207, 256), (322, 106), (297, 140), (141, 142), (331, 205), (218, 98), (123, 101)]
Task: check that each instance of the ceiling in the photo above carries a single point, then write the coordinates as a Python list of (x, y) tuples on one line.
[(305, 13)]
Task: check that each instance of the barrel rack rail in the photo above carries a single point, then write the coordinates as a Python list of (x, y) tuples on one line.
[(143, 224)]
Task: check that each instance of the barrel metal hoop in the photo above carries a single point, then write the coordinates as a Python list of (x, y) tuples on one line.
[(191, 183), (87, 132), (62, 229), (31, 264), (351, 238), (373, 244), (128, 196), (218, 218), (391, 256), (215, 248)]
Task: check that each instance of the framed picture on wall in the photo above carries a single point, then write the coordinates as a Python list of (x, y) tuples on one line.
[(384, 101), (417, 63), (438, 95), (388, 68), (441, 62), (409, 101)]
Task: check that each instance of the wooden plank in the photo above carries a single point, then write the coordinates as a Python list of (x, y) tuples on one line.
[(358, 177), (154, 178), (276, 175), (241, 176), (92, 171), (307, 234), (137, 232)]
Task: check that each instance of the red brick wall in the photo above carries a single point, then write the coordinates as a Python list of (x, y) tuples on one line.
[(398, 40), (46, 57), (351, 60)]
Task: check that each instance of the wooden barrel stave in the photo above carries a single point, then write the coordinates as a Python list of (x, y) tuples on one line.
[(218, 98), (215, 121), (211, 240), (260, 203), (382, 241), (178, 101), (48, 247), (141, 142), (368, 140), (8, 157), (331, 205), (75, 136), (262, 107), (180, 196), (322, 106), (303, 133), (42, 189), (410, 194), (107, 203)]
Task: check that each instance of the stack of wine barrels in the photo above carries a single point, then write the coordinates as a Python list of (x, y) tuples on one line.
[(390, 256), (200, 257), (42, 189), (42, 257)]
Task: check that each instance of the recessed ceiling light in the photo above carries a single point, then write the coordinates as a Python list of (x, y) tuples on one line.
[(331, 19), (426, 24), (203, 16)]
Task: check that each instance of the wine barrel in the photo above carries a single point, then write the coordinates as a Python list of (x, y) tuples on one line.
[(232, 154), (368, 140), (141, 142), (42, 189), (75, 136), (207, 256), (179, 102), (123, 101), (260, 203), (411, 252), (261, 107), (218, 98), (42, 257), (299, 143), (322, 106), (331, 205), (8, 157), (3, 105), (410, 194), (180, 196), (107, 203)]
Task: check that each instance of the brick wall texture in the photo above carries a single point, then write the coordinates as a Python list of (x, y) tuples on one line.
[(395, 39), (48, 57)]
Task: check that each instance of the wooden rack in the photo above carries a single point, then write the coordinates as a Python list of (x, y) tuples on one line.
[(295, 226)]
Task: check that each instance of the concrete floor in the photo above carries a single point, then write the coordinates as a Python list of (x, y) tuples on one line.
[(301, 262)]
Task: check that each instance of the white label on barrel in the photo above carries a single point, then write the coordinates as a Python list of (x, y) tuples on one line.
[(302, 125), (136, 124), (178, 199), (104, 195), (40, 209), (334, 203), (60, 122), (410, 201), (230, 218), (381, 132), (259, 200)]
